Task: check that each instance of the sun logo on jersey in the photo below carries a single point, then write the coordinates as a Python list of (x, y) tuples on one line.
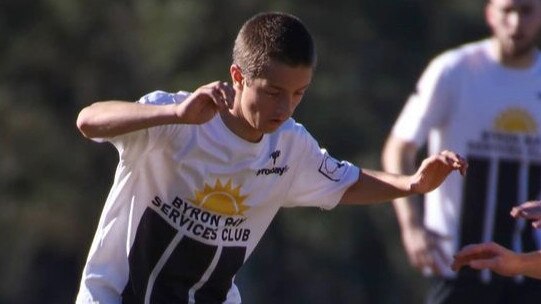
[(222, 199), (515, 120)]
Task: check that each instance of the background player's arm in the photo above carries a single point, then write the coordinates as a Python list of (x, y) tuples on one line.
[(399, 157), (375, 186), (420, 244), (112, 118)]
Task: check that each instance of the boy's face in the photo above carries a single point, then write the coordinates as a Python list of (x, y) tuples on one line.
[(267, 101)]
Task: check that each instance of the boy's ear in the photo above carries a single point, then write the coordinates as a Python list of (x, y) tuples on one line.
[(236, 76)]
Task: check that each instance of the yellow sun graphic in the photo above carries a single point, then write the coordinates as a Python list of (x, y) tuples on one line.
[(221, 199), (515, 120)]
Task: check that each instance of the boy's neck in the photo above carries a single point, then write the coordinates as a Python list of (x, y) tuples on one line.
[(240, 127)]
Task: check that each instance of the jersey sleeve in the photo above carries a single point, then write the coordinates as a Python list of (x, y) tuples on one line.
[(134, 144), (319, 179), (429, 105)]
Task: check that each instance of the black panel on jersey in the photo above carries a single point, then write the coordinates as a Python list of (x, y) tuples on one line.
[(506, 198), (534, 191), (473, 206), (183, 270), (216, 288), (152, 238), (507, 195), (474, 201)]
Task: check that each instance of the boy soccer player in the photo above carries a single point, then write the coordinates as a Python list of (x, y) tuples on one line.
[(201, 175)]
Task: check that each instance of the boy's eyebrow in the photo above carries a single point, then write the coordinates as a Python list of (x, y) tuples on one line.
[(272, 86)]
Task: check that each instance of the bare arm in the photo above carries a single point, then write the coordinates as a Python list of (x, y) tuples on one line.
[(112, 118), (375, 186), (420, 244), (499, 259), (399, 157)]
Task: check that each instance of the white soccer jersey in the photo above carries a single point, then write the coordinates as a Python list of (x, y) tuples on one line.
[(467, 102), (190, 202)]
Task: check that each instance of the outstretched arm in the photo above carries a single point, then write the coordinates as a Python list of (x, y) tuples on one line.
[(377, 186), (112, 118), (499, 259)]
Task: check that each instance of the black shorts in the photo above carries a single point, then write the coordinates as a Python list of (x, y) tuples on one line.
[(500, 290)]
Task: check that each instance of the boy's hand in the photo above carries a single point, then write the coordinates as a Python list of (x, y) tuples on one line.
[(205, 102), (435, 169)]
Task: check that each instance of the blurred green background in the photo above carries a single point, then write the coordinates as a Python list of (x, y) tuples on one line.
[(57, 56)]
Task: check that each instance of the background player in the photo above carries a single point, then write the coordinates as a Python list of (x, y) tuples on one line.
[(481, 100)]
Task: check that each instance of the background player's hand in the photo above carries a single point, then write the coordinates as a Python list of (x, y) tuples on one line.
[(435, 169), (205, 102), (487, 256), (423, 251), (530, 211)]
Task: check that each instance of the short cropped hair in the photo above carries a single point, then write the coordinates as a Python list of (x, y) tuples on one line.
[(269, 37)]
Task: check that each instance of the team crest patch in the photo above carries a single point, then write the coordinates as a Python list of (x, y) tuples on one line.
[(332, 168)]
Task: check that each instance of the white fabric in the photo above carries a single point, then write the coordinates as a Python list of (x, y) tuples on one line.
[(191, 174), (466, 102)]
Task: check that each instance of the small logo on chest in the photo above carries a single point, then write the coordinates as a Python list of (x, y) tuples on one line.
[(274, 169)]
